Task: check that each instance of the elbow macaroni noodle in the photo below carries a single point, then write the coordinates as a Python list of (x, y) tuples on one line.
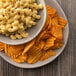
[(18, 15)]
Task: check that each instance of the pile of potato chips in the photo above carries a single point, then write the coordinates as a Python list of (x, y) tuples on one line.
[(43, 46)]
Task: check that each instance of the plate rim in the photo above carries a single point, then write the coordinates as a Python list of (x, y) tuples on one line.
[(54, 56)]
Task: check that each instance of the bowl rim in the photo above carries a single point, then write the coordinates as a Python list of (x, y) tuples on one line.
[(54, 56), (28, 40)]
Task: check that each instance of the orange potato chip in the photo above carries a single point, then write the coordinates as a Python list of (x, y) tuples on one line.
[(46, 36), (34, 58), (40, 37), (54, 15), (41, 45), (50, 10), (14, 50), (6, 48), (34, 55), (56, 31), (2, 46), (28, 46), (47, 54), (62, 22), (49, 43), (55, 21), (57, 45), (17, 47), (20, 59), (47, 23), (50, 24)]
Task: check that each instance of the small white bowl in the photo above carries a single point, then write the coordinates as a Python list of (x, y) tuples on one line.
[(33, 32)]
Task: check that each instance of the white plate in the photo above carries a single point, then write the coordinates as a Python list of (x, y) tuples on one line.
[(55, 5)]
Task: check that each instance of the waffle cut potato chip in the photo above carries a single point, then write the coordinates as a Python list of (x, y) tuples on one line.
[(49, 43), (35, 53), (58, 44), (46, 36), (41, 45), (28, 46), (47, 23), (43, 36), (50, 24), (14, 50), (20, 58), (47, 54), (62, 22), (57, 32), (40, 37), (54, 15), (50, 10), (54, 21), (6, 48), (2, 46)]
